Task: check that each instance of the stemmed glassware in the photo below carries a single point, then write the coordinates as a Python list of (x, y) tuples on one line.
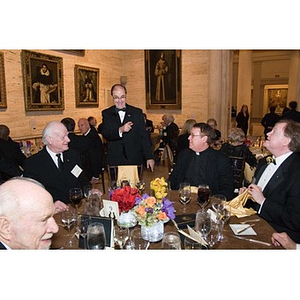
[(136, 241), (171, 241), (87, 189), (69, 217), (224, 214), (121, 235), (203, 223), (82, 227), (203, 195), (213, 236), (184, 194), (140, 185), (75, 195)]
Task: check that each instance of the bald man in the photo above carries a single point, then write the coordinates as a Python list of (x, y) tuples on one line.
[(26, 215)]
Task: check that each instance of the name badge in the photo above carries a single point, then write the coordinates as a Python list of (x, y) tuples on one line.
[(76, 171)]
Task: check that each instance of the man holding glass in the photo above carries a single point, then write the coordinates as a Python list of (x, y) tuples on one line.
[(201, 164)]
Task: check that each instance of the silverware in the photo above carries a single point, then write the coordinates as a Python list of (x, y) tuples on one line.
[(245, 228), (252, 240), (254, 220)]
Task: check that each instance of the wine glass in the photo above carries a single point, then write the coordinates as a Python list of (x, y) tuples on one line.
[(82, 227), (184, 194), (140, 185), (75, 195), (136, 241), (68, 217), (171, 241), (203, 223), (213, 236), (96, 239), (223, 216), (203, 195), (218, 203), (87, 189), (121, 235)]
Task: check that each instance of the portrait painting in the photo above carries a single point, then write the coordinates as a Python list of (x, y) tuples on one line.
[(43, 81), (163, 79), (2, 82), (86, 86)]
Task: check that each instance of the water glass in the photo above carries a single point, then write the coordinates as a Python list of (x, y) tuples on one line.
[(96, 236), (171, 241), (121, 235), (136, 241), (203, 223), (191, 244), (184, 193)]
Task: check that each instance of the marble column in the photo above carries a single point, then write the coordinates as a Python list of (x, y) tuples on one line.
[(294, 78)]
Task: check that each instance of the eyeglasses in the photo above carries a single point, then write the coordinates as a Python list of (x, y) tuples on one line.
[(119, 98)]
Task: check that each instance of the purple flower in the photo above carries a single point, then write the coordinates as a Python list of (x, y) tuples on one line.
[(168, 208), (149, 210)]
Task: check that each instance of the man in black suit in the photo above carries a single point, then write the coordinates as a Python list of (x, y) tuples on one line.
[(170, 132), (201, 164), (56, 166), (95, 150), (293, 113), (26, 215), (11, 156), (276, 190), (124, 129)]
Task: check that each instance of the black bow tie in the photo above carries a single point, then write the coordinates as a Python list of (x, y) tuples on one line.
[(120, 109)]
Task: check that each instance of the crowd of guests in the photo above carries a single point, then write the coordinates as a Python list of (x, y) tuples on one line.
[(201, 156)]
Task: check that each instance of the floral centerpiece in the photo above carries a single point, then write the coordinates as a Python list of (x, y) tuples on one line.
[(160, 188), (150, 213), (126, 198)]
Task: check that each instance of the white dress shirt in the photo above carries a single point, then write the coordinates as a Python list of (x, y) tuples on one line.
[(54, 157)]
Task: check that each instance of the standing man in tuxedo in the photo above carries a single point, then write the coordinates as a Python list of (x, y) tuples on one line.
[(276, 190), (26, 215), (124, 129), (56, 166)]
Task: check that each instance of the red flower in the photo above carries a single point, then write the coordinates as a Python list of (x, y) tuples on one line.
[(125, 197)]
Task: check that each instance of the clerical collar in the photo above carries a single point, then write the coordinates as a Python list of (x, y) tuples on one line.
[(202, 152)]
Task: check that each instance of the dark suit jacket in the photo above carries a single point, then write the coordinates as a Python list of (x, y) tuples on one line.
[(219, 175), (42, 168), (134, 145), (170, 135), (282, 205), (95, 152), (2, 247), (149, 125)]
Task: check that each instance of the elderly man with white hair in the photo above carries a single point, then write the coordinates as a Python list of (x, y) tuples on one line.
[(26, 215), (56, 166)]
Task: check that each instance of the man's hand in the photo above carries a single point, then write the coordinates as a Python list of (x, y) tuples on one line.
[(126, 127), (282, 239), (60, 206), (256, 193), (150, 163)]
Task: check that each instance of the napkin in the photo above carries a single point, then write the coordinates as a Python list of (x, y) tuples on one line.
[(196, 236), (194, 189), (128, 173), (237, 205)]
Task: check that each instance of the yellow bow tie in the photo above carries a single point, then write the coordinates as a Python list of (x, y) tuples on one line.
[(271, 159)]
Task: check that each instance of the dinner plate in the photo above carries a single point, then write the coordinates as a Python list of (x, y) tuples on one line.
[(236, 227)]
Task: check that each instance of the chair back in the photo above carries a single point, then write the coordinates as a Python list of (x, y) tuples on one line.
[(132, 173), (238, 167)]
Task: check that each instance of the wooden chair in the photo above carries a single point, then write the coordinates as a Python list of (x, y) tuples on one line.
[(238, 167), (113, 172)]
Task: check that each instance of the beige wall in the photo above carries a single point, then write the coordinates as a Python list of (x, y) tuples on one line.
[(112, 65)]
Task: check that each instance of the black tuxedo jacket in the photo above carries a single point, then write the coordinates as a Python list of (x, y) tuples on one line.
[(282, 205), (219, 175), (2, 247), (133, 146), (42, 168)]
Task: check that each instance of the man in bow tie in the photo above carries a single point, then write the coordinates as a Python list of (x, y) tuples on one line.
[(276, 190), (124, 129)]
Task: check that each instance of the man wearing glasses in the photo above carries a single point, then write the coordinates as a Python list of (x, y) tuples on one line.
[(201, 164), (124, 129)]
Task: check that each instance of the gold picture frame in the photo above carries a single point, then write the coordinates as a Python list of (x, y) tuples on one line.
[(3, 103), (43, 81), (163, 79), (86, 86)]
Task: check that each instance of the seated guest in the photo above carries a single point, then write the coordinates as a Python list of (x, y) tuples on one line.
[(149, 124), (26, 215), (170, 132), (236, 146), (11, 156), (95, 150), (183, 137), (93, 121), (56, 166), (276, 190), (283, 240), (217, 140), (201, 164)]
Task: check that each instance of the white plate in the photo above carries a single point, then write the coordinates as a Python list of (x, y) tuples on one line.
[(236, 227)]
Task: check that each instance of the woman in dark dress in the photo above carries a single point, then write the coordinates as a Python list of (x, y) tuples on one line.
[(242, 119)]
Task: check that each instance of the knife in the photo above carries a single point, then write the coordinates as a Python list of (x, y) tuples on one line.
[(252, 240)]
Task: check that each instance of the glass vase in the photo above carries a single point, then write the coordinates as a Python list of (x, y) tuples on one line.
[(127, 219), (153, 233)]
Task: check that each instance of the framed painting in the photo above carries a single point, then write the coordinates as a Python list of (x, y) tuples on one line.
[(43, 81), (275, 95), (2, 83), (163, 79), (86, 86)]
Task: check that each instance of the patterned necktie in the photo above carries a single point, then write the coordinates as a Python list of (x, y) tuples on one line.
[(60, 162)]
